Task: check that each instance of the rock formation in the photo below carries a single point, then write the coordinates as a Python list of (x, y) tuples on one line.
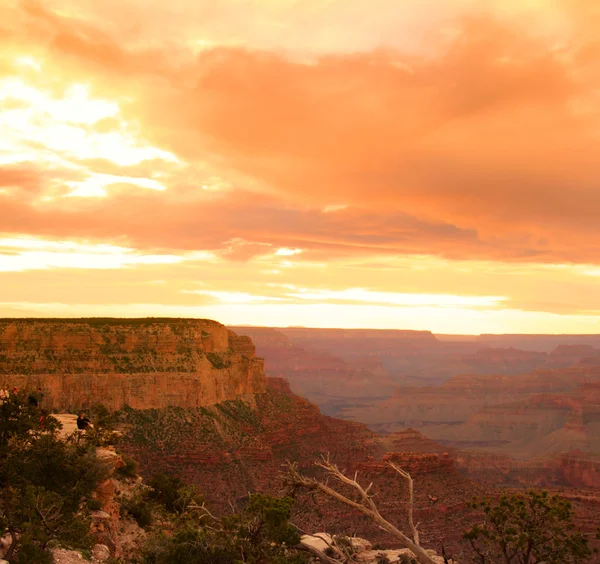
[(340, 369), (143, 363), (237, 447)]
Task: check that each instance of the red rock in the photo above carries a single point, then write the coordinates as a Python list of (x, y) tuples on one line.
[(145, 364)]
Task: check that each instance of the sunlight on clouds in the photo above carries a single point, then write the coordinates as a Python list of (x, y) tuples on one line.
[(30, 62), (30, 243), (401, 299), (41, 128), (21, 254), (329, 316), (284, 252), (233, 297), (41, 260), (334, 208), (96, 184), (74, 107)]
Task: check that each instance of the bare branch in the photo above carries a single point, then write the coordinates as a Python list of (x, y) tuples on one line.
[(411, 500), (366, 506)]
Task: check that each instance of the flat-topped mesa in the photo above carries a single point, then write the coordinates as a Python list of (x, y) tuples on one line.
[(143, 363), (414, 462)]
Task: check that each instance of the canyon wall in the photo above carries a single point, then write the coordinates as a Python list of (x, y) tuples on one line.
[(143, 363)]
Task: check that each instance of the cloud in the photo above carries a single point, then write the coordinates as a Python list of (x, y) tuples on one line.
[(21, 254), (487, 144), (452, 149)]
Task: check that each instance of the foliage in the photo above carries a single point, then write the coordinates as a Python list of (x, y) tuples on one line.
[(216, 360), (166, 489), (260, 533), (94, 504), (525, 529), (19, 421), (42, 483), (130, 469), (138, 507)]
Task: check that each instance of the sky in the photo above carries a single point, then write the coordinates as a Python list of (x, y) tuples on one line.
[(414, 164)]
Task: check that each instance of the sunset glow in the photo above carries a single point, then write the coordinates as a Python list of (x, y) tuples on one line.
[(420, 164)]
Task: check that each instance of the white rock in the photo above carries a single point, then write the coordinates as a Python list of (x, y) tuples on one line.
[(363, 552), (320, 541), (101, 552), (360, 545)]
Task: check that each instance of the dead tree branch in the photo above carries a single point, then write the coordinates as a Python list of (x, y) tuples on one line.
[(411, 500), (366, 505)]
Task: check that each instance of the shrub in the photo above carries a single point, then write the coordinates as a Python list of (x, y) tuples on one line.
[(215, 360), (94, 504), (130, 470), (138, 508)]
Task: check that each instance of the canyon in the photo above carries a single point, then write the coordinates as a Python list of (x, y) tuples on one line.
[(341, 368), (512, 416), (196, 398)]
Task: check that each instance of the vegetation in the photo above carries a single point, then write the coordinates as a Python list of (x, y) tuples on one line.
[(527, 528), (217, 360), (183, 530), (130, 469), (47, 490), (99, 321), (260, 533), (44, 483)]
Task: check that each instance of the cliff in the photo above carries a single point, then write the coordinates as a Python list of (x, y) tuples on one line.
[(143, 363)]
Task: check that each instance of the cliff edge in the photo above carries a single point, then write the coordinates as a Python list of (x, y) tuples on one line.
[(143, 363)]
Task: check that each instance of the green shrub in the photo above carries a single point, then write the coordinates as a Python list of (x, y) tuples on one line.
[(532, 526), (138, 508), (30, 553), (215, 360), (165, 490), (94, 504), (130, 470)]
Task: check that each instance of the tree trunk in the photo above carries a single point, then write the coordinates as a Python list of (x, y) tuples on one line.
[(13, 545)]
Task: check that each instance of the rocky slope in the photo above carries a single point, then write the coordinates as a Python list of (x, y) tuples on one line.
[(143, 363), (238, 447)]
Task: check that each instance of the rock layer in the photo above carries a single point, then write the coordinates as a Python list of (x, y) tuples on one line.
[(143, 363)]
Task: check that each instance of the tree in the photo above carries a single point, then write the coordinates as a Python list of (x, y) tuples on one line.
[(526, 528), (261, 532), (43, 483), (172, 492), (365, 505)]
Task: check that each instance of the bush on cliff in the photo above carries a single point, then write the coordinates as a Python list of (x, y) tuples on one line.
[(43, 483), (527, 528), (261, 532)]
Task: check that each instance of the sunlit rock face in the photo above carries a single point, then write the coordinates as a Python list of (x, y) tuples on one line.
[(143, 363)]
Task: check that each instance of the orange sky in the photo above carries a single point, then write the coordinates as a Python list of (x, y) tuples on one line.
[(428, 164)]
